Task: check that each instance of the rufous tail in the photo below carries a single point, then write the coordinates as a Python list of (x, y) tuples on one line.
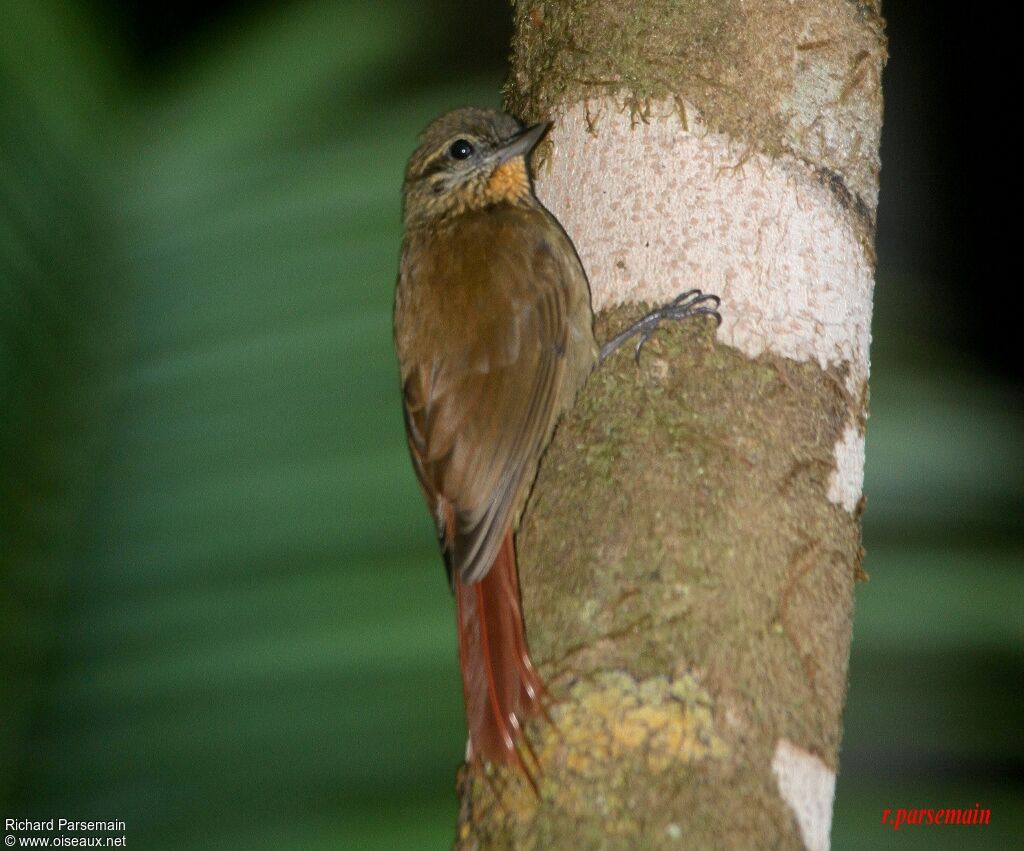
[(500, 687)]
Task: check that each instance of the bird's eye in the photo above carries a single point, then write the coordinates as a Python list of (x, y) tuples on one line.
[(461, 149)]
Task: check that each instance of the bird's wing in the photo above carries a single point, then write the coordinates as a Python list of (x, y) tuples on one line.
[(477, 414)]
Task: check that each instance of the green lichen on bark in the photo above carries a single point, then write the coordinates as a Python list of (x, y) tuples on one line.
[(782, 76), (679, 552)]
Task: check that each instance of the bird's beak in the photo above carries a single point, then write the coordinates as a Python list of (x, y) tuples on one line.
[(522, 143)]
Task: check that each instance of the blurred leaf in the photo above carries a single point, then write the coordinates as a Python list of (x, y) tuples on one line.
[(257, 613), (944, 450), (940, 600)]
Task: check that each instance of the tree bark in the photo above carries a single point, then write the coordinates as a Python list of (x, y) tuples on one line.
[(689, 553)]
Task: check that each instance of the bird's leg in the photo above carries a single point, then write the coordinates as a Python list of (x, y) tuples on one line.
[(690, 303)]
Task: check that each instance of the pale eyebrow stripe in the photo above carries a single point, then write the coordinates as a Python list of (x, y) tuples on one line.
[(438, 159)]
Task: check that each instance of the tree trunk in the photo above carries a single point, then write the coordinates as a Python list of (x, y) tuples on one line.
[(689, 553)]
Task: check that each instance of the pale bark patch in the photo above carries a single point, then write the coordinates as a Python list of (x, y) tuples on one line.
[(847, 480), (655, 208), (808, 786)]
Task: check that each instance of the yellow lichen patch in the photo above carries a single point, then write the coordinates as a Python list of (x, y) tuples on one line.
[(618, 719), (613, 726), (509, 181)]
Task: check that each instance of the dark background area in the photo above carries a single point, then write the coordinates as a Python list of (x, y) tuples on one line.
[(222, 618), (940, 223)]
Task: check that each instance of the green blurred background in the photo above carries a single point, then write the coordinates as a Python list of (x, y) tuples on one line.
[(222, 616)]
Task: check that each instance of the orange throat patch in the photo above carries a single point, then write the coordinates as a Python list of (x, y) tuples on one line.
[(509, 181)]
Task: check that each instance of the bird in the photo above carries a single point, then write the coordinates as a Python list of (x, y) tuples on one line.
[(494, 333)]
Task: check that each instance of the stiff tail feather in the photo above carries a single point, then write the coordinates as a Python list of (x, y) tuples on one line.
[(500, 687)]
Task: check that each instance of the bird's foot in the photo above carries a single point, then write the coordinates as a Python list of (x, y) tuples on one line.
[(684, 305)]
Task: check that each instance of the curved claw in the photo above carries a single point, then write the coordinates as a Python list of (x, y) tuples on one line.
[(679, 299), (686, 304)]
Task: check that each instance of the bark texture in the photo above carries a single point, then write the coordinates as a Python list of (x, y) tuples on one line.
[(689, 553)]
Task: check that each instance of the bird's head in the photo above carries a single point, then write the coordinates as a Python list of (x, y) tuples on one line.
[(468, 159)]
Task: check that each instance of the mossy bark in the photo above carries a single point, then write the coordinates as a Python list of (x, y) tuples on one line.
[(687, 576)]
